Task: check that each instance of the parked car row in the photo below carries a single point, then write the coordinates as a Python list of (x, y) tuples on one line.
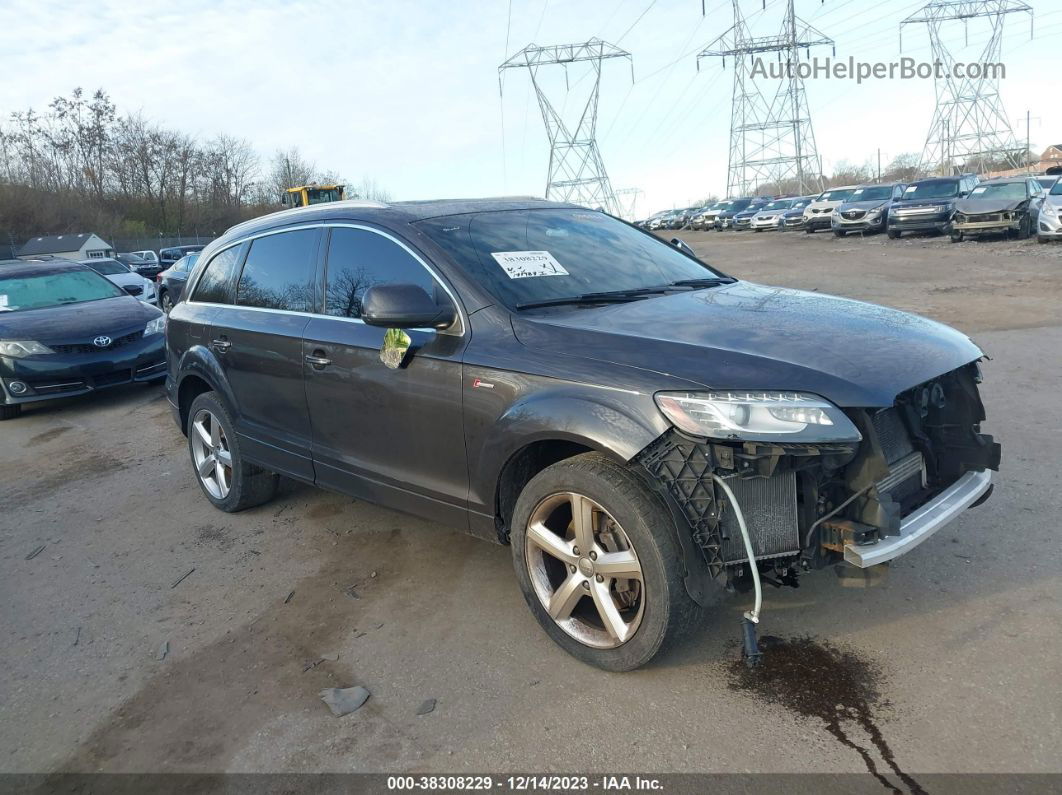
[(960, 206), (149, 264)]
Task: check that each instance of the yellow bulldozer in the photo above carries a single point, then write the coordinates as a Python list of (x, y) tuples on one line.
[(305, 195)]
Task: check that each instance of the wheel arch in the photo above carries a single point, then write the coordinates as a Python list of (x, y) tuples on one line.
[(201, 372)]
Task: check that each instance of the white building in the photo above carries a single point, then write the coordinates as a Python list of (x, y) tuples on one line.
[(75, 247)]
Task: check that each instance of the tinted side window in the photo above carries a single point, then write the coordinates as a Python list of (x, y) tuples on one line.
[(359, 259), (217, 284), (278, 273)]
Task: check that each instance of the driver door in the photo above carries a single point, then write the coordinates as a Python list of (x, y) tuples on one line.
[(391, 436)]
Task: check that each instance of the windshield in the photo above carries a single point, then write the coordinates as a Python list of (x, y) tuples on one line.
[(322, 195), (107, 267), (875, 193), (53, 289), (526, 256), (839, 195), (801, 203), (1057, 189), (937, 189), (1000, 190), (131, 259), (779, 205)]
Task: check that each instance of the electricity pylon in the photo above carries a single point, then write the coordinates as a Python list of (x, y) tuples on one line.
[(576, 172), (970, 129), (770, 142), (627, 201)]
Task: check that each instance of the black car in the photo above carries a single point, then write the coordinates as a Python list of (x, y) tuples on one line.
[(725, 218), (867, 209), (168, 256), (171, 281), (65, 330), (793, 218), (928, 204), (146, 268), (635, 423)]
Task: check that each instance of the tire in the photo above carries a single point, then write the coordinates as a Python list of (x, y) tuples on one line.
[(839, 233), (628, 517), (1025, 228), (893, 234), (956, 237), (809, 230), (1041, 239), (246, 485), (165, 304), (10, 412)]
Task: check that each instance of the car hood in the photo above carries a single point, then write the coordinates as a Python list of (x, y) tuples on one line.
[(870, 204), (749, 336), (113, 317), (820, 206), (977, 206), (126, 279)]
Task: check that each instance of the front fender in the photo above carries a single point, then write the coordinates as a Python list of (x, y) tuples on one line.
[(615, 422)]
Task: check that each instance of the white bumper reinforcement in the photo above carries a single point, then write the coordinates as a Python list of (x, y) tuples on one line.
[(923, 522)]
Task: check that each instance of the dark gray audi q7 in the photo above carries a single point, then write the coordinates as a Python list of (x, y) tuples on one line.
[(638, 425)]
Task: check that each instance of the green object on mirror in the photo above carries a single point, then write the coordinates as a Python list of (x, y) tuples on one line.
[(395, 348)]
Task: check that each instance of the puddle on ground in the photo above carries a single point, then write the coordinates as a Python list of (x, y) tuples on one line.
[(815, 679)]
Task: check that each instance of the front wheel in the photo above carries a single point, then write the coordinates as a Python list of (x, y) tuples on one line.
[(599, 564), (10, 412), (1025, 228), (956, 237), (893, 234), (165, 303), (839, 233), (230, 483)]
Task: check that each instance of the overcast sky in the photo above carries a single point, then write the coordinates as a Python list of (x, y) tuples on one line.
[(407, 92)]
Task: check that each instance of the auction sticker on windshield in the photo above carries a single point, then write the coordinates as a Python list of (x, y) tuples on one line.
[(524, 264)]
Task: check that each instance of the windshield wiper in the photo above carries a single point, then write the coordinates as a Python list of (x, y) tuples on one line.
[(714, 281), (608, 297)]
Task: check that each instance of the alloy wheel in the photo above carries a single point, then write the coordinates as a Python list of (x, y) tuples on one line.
[(584, 570), (211, 455)]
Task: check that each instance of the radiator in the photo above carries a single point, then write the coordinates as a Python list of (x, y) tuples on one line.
[(770, 509)]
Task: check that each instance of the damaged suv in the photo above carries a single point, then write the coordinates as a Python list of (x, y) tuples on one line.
[(645, 431)]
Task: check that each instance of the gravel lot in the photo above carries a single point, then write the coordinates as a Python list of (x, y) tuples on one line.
[(962, 645)]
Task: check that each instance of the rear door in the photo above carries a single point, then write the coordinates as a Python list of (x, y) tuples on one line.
[(391, 436), (258, 341)]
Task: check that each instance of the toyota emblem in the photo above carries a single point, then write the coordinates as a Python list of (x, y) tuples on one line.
[(102, 341)]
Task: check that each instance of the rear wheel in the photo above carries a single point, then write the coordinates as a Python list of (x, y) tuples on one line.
[(230, 483), (10, 412), (599, 565)]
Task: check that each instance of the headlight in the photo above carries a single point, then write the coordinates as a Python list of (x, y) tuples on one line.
[(19, 348), (156, 326), (1049, 209), (757, 416)]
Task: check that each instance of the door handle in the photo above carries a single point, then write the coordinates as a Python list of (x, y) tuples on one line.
[(222, 345), (318, 362)]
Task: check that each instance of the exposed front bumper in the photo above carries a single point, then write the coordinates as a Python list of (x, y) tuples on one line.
[(923, 522), (986, 227), (914, 221)]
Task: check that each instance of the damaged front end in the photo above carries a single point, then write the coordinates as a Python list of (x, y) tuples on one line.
[(918, 464)]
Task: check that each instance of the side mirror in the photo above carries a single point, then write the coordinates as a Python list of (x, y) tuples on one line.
[(404, 306), (683, 246), (963, 194)]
